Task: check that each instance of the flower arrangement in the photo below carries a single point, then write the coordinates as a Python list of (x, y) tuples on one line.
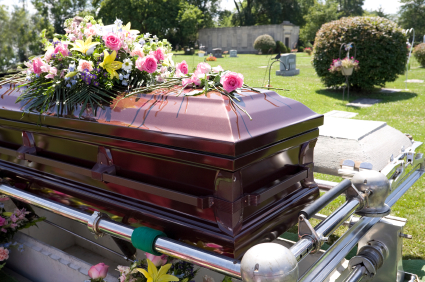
[(146, 270), (346, 63), (10, 224), (211, 58), (308, 50), (92, 64), (201, 52)]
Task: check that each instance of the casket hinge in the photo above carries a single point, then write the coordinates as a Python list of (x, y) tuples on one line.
[(28, 147), (105, 164)]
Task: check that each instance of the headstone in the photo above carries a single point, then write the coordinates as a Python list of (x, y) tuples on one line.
[(217, 52), (363, 103), (233, 53), (288, 65)]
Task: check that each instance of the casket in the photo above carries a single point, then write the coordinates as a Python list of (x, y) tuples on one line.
[(195, 167)]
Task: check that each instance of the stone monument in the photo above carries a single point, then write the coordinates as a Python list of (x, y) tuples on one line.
[(233, 53), (288, 65), (218, 53)]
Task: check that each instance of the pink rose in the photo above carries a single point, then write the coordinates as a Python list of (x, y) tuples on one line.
[(85, 65), (37, 63), (183, 67), (157, 260), (4, 254), (195, 79), (203, 67), (2, 221), (231, 81), (48, 55), (72, 37), (62, 48), (159, 54), (112, 41), (147, 63), (137, 52), (217, 69), (99, 270), (88, 25)]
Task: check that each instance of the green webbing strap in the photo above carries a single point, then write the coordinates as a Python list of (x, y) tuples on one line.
[(143, 238)]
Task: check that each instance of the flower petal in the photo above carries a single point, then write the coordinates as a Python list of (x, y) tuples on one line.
[(166, 278), (152, 269), (144, 272), (164, 269)]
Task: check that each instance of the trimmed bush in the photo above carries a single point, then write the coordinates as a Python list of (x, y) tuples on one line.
[(301, 49), (264, 42), (280, 47), (419, 53), (381, 50)]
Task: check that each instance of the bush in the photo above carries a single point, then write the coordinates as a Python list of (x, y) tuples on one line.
[(301, 49), (308, 50), (280, 47), (381, 50), (264, 42), (419, 53)]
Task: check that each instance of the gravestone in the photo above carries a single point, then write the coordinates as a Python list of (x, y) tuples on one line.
[(233, 53), (288, 65), (217, 52)]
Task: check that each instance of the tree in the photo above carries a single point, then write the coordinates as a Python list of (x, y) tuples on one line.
[(209, 9), (412, 14), (176, 20), (19, 36), (190, 20), (318, 14), (57, 11), (350, 8)]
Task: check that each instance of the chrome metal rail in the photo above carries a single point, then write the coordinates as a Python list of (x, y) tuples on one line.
[(164, 245)]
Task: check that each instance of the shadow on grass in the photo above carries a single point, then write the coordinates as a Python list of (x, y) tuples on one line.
[(374, 94), (414, 266)]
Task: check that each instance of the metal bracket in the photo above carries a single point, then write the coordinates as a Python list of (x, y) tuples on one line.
[(93, 224), (306, 230), (28, 147), (105, 164)]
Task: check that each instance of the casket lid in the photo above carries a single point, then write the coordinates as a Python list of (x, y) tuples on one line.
[(208, 124)]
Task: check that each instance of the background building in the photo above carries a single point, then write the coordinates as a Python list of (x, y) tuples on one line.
[(242, 38)]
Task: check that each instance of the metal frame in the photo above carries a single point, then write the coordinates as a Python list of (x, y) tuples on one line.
[(311, 238)]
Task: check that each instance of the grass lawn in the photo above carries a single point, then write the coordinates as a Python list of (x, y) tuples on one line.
[(404, 111)]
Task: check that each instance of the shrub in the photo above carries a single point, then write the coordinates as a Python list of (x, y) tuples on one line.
[(280, 47), (308, 50), (264, 42), (381, 50), (301, 49), (419, 53)]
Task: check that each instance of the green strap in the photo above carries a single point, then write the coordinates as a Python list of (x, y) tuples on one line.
[(143, 238)]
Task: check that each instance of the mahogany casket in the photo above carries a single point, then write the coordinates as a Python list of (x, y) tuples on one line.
[(195, 167)]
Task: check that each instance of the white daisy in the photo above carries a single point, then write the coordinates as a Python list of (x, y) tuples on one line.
[(127, 64)]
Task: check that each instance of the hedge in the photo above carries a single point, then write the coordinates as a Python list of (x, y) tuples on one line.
[(381, 50)]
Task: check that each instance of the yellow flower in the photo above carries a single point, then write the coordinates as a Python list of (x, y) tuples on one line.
[(82, 46), (109, 63), (153, 275), (127, 28)]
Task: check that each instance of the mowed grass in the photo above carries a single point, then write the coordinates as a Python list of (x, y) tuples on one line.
[(404, 111)]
